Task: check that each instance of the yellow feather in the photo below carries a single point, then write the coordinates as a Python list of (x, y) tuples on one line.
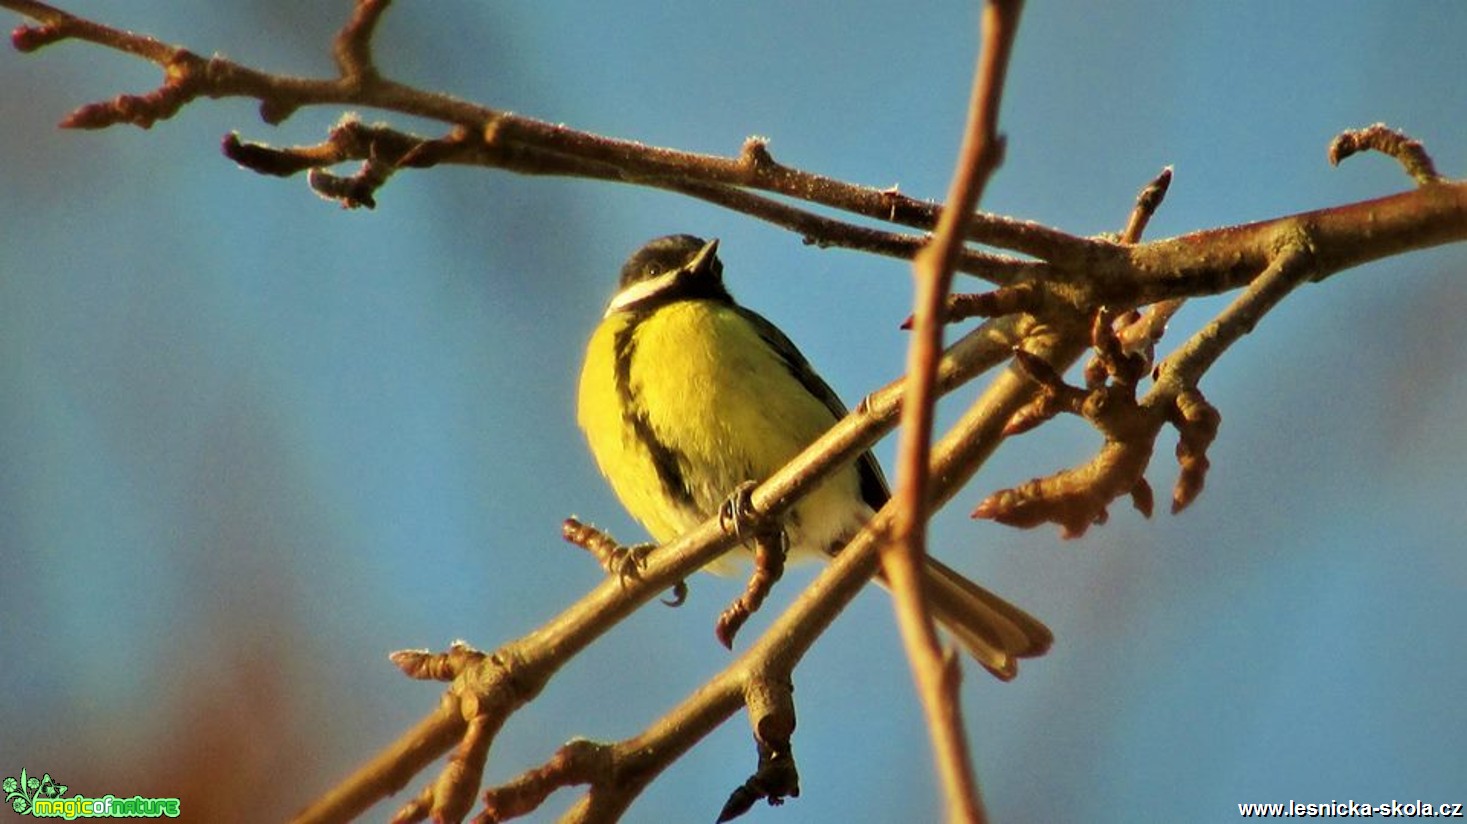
[(717, 394)]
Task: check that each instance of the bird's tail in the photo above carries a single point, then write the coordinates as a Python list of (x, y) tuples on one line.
[(995, 632)]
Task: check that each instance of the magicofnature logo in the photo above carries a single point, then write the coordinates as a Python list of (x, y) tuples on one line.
[(45, 797)]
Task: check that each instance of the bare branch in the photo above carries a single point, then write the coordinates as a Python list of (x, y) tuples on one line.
[(509, 141), (1076, 498), (902, 558)]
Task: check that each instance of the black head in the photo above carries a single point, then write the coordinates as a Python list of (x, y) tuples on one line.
[(675, 267)]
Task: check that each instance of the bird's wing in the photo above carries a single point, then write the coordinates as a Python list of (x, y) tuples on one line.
[(874, 490)]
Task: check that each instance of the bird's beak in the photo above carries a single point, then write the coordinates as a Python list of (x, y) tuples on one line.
[(702, 262)]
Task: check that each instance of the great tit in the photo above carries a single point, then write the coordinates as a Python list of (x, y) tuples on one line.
[(685, 396)]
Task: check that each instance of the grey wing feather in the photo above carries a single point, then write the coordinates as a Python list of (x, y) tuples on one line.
[(874, 490)]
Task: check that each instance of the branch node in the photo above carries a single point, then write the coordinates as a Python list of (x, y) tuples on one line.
[(1077, 498), (1055, 396), (754, 155), (1142, 498), (1113, 363), (275, 111), (771, 706), (1197, 422), (354, 191), (181, 84), (436, 666)]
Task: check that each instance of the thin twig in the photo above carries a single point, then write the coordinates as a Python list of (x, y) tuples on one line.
[(391, 769), (1148, 200), (1205, 262), (935, 670), (1142, 333)]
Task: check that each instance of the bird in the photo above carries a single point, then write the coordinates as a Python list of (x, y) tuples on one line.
[(686, 396)]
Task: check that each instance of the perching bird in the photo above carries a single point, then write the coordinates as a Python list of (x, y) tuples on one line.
[(686, 395)]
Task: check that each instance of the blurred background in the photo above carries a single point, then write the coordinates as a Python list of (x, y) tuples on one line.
[(251, 442)]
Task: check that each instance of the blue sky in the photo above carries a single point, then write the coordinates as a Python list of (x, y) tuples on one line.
[(251, 442)]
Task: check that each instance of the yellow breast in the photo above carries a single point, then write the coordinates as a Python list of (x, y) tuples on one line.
[(683, 405)]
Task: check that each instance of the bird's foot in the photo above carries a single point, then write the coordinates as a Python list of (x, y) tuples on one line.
[(770, 550), (627, 562), (738, 509)]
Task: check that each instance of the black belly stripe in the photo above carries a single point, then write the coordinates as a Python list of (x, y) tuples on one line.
[(664, 458)]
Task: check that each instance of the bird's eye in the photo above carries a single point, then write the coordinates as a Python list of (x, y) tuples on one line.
[(653, 270)]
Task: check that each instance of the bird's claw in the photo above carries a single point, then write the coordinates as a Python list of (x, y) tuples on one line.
[(679, 595), (738, 509), (629, 561)]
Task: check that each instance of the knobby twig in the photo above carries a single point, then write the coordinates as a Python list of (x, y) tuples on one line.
[(1076, 498)]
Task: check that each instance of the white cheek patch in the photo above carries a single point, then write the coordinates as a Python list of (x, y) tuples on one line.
[(642, 290)]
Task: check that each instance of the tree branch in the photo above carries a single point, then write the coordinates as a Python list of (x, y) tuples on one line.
[(506, 140), (903, 556)]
